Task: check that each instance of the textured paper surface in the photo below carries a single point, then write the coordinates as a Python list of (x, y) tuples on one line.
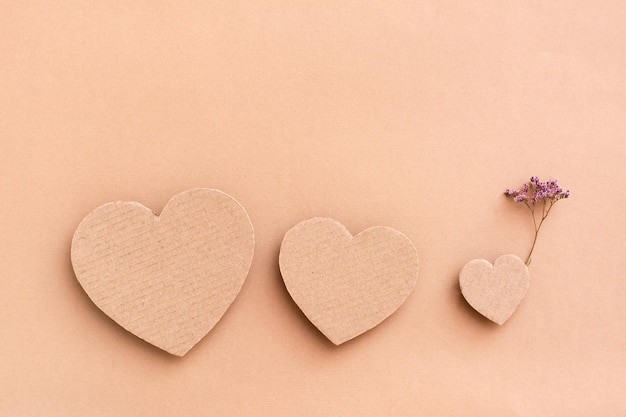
[(495, 290), (411, 114), (347, 285), (167, 279)]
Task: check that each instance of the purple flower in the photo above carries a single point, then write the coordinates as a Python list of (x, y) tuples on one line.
[(534, 193)]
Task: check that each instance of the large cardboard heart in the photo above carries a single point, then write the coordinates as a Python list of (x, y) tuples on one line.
[(347, 285), (167, 279), (495, 291)]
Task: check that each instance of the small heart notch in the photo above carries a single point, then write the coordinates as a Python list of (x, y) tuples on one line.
[(495, 291)]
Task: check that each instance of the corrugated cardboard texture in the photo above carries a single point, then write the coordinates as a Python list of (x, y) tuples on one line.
[(347, 285), (495, 291), (410, 114), (167, 279)]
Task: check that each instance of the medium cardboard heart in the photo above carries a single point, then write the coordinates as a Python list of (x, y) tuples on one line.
[(347, 285), (495, 290), (167, 279)]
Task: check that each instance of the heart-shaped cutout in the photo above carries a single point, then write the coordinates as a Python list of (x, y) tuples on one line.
[(167, 279), (495, 291), (347, 285)]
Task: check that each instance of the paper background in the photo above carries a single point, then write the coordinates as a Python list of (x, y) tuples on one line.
[(414, 115)]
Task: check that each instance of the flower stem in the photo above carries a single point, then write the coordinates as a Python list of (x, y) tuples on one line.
[(544, 214), (532, 248)]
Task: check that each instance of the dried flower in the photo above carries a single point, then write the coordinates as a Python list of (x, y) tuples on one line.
[(537, 193)]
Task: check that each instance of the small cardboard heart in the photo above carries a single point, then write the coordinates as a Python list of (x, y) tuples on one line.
[(347, 285), (495, 291), (167, 279)]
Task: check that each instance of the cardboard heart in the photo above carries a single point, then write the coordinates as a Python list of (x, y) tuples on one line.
[(347, 285), (495, 291), (167, 279)]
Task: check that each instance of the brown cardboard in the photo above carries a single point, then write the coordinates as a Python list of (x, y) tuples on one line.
[(419, 113), (167, 279), (495, 291), (347, 285)]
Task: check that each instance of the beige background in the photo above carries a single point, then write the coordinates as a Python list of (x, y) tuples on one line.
[(414, 115)]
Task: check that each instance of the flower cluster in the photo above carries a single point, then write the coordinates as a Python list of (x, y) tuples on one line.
[(534, 191)]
